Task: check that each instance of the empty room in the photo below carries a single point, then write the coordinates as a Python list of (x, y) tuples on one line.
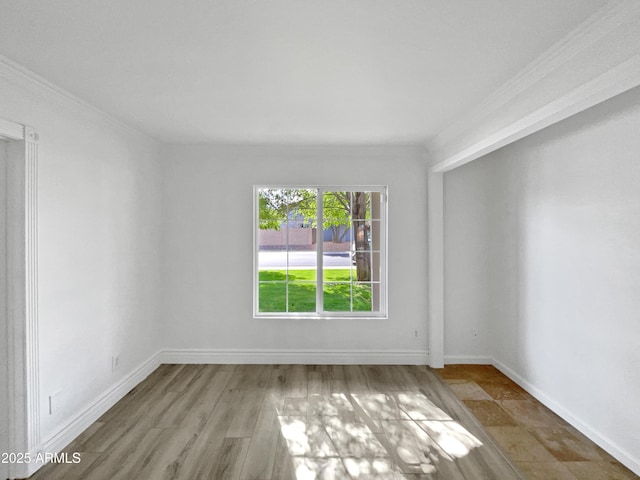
[(295, 239)]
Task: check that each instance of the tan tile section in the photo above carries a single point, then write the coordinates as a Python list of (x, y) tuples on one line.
[(543, 445), (600, 470), (503, 391), (565, 446), (617, 471), (531, 413), (469, 391), (520, 444), (546, 471), (489, 413)]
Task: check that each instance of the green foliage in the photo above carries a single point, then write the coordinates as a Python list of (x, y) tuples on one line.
[(270, 218), (277, 204)]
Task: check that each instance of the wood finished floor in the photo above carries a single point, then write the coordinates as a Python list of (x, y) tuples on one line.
[(542, 444), (281, 422)]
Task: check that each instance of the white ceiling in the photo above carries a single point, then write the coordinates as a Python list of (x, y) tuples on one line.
[(284, 71)]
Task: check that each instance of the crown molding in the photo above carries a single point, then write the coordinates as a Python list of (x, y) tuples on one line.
[(25, 78), (595, 61)]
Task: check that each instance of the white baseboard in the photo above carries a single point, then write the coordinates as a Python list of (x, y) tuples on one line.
[(623, 456), (59, 440), (468, 359), (309, 357)]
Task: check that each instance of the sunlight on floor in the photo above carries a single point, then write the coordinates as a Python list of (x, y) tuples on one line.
[(371, 436)]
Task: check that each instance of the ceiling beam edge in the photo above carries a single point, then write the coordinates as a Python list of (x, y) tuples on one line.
[(596, 61)]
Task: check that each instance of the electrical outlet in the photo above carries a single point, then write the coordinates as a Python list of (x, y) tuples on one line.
[(53, 402), (115, 362), (415, 333), (474, 333)]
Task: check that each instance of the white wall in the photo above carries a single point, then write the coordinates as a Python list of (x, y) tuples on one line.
[(466, 257), (208, 250), (4, 346), (99, 215), (562, 232)]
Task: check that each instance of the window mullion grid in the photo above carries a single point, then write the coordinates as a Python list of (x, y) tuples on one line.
[(370, 246), (381, 218), (382, 222), (383, 250), (355, 255), (256, 251), (319, 250), (286, 273)]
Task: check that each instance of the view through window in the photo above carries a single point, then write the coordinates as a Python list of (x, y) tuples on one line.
[(320, 251)]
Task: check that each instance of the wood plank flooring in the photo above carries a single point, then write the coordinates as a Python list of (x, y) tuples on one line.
[(285, 422)]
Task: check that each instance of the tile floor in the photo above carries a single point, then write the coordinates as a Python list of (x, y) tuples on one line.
[(542, 444)]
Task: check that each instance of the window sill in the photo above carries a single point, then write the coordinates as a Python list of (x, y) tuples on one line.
[(315, 316)]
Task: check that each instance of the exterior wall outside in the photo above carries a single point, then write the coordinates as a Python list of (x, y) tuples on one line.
[(284, 236)]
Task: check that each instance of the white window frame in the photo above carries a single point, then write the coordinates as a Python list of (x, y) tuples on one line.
[(319, 314)]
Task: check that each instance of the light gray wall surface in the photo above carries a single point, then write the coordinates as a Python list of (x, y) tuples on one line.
[(552, 225), (467, 217), (98, 247), (4, 346), (208, 246)]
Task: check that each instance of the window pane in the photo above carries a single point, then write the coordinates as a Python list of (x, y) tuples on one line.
[(272, 259), (351, 232), (336, 206), (360, 205), (272, 276), (301, 239), (336, 235), (375, 202), (272, 206), (287, 249), (376, 267), (351, 262), (362, 231), (302, 296), (337, 297), (303, 202), (348, 296), (272, 296), (336, 228), (362, 297), (344, 274)]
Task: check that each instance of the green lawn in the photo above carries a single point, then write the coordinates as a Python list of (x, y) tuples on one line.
[(302, 291)]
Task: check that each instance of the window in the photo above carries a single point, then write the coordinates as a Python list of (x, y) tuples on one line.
[(320, 251)]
